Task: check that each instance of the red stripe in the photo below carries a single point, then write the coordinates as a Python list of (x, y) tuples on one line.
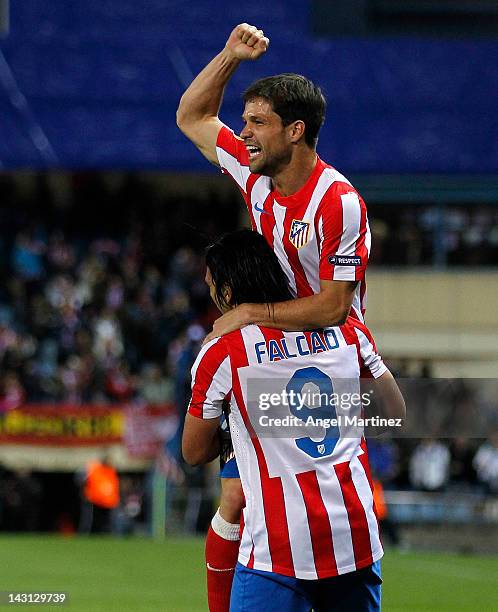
[(360, 534), (351, 338), (247, 197), (364, 462), (319, 523), (330, 211), (305, 193), (249, 186), (232, 145), (303, 287), (267, 221), (366, 466), (363, 328), (272, 490), (361, 249), (364, 369), (354, 314), (271, 334), (363, 292), (207, 368), (250, 563)]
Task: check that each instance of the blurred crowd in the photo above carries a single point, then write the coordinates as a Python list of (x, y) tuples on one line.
[(415, 235), (100, 311), (101, 278), (102, 299), (96, 325), (438, 465)]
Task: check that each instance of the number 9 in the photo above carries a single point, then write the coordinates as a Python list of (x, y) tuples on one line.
[(324, 447)]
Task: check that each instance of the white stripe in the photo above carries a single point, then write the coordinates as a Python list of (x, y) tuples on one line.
[(221, 383), (364, 491), (255, 530), (310, 255), (299, 531), (371, 359), (356, 305), (368, 238), (338, 176), (251, 335), (199, 357), (351, 219), (260, 191), (330, 490), (279, 212), (231, 164)]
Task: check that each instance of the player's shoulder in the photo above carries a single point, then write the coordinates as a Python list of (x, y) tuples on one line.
[(337, 186), (230, 143), (226, 136), (213, 352)]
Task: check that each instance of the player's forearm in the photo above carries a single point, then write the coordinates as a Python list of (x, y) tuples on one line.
[(196, 453), (203, 97), (302, 314)]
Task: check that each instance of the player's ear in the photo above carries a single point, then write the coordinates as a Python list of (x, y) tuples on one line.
[(227, 296), (296, 131), (224, 299)]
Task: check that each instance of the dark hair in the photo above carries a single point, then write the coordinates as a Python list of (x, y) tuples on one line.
[(292, 97), (244, 262)]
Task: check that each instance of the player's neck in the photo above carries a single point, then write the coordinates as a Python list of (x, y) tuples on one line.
[(295, 174)]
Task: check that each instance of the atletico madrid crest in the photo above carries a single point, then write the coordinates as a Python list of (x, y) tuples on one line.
[(299, 233)]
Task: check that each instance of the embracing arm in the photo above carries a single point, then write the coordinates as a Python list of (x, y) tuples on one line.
[(329, 307), (197, 114)]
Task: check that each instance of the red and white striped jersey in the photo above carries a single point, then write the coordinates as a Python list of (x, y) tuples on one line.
[(319, 233), (309, 502)]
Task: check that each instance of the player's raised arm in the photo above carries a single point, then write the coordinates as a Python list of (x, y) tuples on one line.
[(197, 114)]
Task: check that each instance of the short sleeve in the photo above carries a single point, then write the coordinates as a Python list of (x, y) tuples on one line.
[(371, 364), (232, 157), (211, 380), (344, 234)]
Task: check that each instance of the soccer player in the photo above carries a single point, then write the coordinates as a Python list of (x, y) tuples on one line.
[(309, 213), (310, 537)]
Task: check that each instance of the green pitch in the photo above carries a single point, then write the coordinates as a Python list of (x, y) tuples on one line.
[(105, 574)]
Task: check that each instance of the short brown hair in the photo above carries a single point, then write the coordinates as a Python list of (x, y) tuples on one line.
[(293, 97)]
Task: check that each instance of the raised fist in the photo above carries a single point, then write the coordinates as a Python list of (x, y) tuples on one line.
[(246, 42)]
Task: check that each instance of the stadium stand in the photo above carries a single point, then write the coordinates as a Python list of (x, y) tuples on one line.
[(114, 74)]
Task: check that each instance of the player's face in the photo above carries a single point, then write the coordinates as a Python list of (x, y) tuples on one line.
[(212, 292), (267, 140)]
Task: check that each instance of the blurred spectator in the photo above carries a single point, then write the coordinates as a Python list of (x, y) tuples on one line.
[(108, 343), (430, 465), (383, 457), (155, 387), (462, 473), (130, 509), (119, 384), (486, 464), (20, 497), (27, 254), (12, 394)]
